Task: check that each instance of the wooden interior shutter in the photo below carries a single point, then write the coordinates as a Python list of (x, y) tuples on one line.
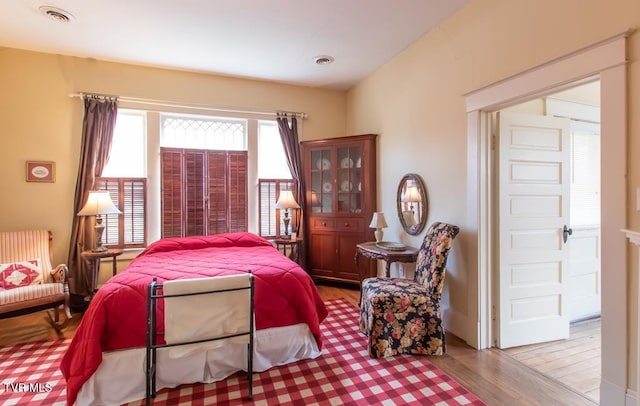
[(171, 169), (203, 192), (217, 192), (134, 233), (194, 185), (238, 202)]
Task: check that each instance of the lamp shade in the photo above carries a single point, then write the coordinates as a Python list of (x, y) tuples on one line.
[(286, 201), (378, 220), (99, 202), (315, 200), (411, 194)]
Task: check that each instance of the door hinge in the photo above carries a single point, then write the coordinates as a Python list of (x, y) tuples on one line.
[(493, 142), (493, 313)]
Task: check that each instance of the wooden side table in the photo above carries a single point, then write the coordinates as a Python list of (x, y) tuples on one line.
[(371, 250), (290, 244), (93, 259)]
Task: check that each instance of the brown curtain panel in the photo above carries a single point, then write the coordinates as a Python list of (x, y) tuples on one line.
[(97, 133), (291, 143)]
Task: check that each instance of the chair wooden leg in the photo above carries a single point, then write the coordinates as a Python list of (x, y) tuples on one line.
[(67, 309), (54, 320)]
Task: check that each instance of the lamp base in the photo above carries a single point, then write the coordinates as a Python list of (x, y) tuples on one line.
[(378, 234), (99, 229), (286, 221)]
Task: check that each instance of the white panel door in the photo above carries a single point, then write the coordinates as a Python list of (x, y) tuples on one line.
[(534, 208), (584, 272)]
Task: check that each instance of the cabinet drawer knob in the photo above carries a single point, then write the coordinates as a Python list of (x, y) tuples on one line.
[(346, 224), (324, 223)]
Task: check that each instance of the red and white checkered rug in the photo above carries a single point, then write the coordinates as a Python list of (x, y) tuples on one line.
[(343, 374)]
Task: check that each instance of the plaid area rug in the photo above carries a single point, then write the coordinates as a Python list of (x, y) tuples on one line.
[(343, 375)]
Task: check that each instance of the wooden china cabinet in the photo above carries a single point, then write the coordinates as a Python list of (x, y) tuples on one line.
[(340, 175)]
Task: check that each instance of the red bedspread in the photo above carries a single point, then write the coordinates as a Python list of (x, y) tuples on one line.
[(116, 317)]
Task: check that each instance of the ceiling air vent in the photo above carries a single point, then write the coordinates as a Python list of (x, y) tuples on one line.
[(56, 14), (323, 59)]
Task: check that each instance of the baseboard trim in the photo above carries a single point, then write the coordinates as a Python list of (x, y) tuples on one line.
[(631, 398), (612, 394), (455, 322)]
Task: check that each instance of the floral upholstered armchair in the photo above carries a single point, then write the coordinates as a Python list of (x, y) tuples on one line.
[(402, 316), (28, 282)]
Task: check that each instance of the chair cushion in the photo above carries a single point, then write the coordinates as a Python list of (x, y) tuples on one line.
[(17, 274), (400, 317), (396, 295), (30, 292)]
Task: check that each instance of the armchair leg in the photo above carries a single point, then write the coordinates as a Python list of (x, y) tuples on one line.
[(67, 309), (54, 320)]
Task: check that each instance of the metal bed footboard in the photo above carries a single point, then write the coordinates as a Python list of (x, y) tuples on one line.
[(152, 334)]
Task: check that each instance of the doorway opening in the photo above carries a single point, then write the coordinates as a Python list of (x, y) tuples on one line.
[(606, 60), (547, 186)]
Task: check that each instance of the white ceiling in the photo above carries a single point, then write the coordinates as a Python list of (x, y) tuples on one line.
[(273, 40)]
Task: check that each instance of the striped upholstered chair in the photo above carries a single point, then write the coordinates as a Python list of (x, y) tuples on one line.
[(402, 316), (28, 282)]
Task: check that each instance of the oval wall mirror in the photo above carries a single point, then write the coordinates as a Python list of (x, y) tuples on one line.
[(412, 203)]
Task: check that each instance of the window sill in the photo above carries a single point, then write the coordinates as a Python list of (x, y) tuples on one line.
[(129, 254)]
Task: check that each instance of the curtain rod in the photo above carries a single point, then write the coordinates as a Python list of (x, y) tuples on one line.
[(164, 103)]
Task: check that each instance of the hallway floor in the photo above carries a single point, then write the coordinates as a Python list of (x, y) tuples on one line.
[(574, 362)]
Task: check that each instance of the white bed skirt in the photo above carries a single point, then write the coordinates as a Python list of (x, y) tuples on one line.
[(120, 378)]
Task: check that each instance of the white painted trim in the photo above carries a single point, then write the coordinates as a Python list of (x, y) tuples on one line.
[(634, 237), (455, 322), (573, 110), (562, 72), (631, 398), (606, 59), (614, 394)]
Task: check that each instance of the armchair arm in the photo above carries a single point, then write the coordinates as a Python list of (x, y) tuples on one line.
[(60, 274)]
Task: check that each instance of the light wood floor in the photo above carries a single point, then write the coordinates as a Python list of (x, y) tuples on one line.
[(494, 376), (574, 362)]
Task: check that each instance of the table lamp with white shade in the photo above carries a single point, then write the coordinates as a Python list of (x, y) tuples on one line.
[(411, 195), (285, 202), (378, 222), (99, 203)]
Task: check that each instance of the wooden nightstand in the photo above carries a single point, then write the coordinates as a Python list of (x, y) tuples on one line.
[(93, 259), (289, 244)]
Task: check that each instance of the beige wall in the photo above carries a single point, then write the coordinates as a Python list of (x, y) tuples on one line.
[(39, 121), (416, 103)]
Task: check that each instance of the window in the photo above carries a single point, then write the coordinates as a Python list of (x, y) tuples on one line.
[(136, 154), (129, 195), (273, 176), (128, 147), (272, 160), (585, 178), (201, 132), (124, 177), (269, 190), (204, 190)]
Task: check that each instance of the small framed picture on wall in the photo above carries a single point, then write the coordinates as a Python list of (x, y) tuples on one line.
[(41, 171)]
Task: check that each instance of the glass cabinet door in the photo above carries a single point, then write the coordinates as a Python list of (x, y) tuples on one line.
[(321, 181), (349, 161)]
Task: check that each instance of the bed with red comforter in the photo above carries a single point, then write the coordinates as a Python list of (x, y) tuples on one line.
[(116, 318)]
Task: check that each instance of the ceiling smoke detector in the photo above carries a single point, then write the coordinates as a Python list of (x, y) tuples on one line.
[(56, 14), (323, 59)]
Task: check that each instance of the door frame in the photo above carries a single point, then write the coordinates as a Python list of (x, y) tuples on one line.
[(606, 61)]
